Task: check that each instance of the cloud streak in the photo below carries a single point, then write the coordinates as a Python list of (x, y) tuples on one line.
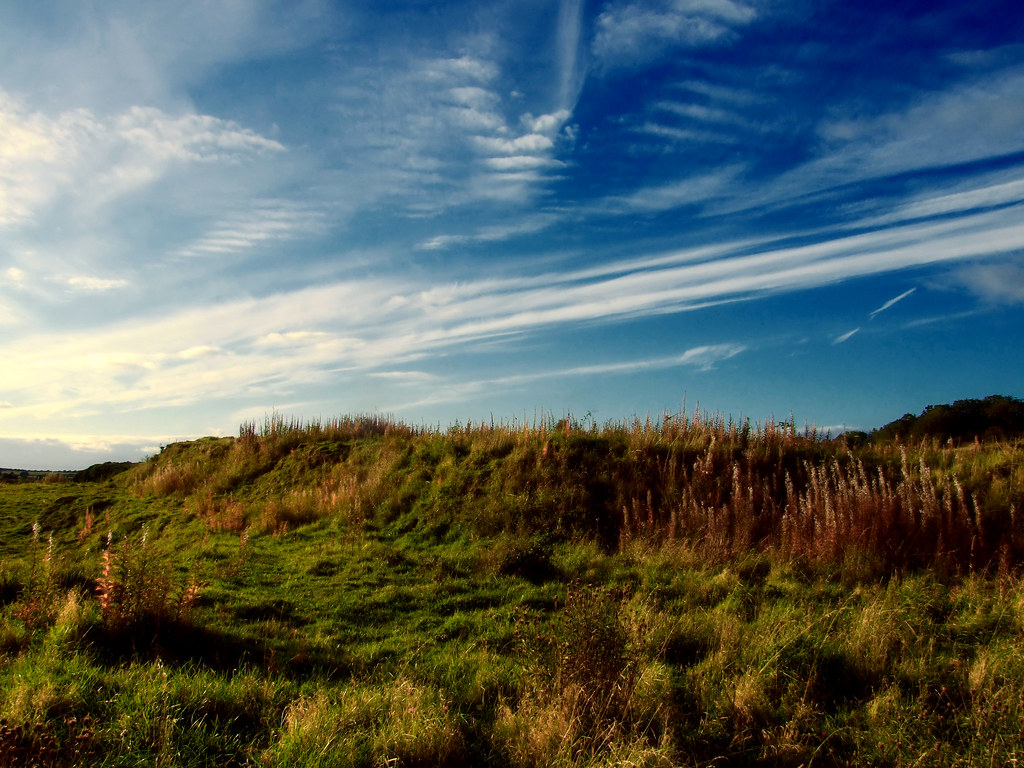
[(844, 337), (891, 302), (288, 341), (703, 358), (634, 33), (263, 224)]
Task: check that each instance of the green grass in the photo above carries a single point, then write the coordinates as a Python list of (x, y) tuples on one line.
[(360, 593)]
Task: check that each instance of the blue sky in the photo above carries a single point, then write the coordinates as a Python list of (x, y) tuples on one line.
[(211, 211)]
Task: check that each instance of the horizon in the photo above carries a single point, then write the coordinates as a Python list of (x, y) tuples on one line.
[(474, 211)]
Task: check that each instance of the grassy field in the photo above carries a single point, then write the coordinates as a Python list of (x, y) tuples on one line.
[(690, 592)]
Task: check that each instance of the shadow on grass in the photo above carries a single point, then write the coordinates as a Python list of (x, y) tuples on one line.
[(180, 643)]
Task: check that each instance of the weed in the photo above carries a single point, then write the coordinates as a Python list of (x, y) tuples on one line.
[(136, 588)]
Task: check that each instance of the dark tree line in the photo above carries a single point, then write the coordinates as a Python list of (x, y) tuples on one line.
[(997, 417)]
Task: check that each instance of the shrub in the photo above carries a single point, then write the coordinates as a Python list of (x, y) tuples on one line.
[(136, 587)]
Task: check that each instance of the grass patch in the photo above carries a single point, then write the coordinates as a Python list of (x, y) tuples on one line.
[(691, 592)]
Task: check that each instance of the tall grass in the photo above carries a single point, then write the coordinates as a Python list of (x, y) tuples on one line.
[(659, 592), (719, 487)]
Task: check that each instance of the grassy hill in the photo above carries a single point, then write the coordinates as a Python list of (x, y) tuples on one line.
[(366, 593)]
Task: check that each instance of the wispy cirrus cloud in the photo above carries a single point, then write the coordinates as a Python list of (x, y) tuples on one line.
[(704, 114), (976, 193), (997, 283), (568, 54), (118, 54), (636, 32), (528, 225), (412, 378), (89, 284), (703, 358), (891, 302), (698, 189), (291, 340), (431, 134), (263, 223), (733, 97), (687, 136), (968, 122), (844, 337)]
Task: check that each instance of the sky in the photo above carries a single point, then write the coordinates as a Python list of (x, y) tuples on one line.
[(214, 211)]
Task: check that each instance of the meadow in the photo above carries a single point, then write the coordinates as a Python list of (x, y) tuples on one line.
[(687, 591)]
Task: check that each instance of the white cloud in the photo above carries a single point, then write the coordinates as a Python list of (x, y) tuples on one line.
[(93, 160), (547, 125), (892, 301), (429, 135), (58, 451), (405, 377), (967, 122), (703, 358), (687, 135), (15, 276), (471, 69), (570, 74), (722, 93), (702, 114), (189, 138), (976, 194), (291, 338), (531, 142), (86, 284), (944, 318), (521, 162), (1001, 283), (263, 223), (113, 54), (528, 225), (196, 353), (358, 325), (631, 33), (844, 337), (706, 357), (696, 189), (474, 97)]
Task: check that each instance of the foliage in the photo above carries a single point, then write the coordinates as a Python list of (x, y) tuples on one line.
[(995, 418)]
